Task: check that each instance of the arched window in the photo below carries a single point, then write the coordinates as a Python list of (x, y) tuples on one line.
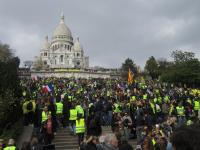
[(61, 58), (77, 54)]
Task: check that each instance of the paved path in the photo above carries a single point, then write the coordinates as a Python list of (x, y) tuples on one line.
[(25, 136)]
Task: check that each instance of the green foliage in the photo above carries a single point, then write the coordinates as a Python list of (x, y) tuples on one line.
[(125, 67), (10, 89), (163, 64), (180, 56), (185, 69), (152, 67), (5, 53)]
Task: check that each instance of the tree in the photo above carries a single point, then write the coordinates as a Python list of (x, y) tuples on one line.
[(10, 88), (152, 67), (5, 52), (180, 56), (185, 69), (125, 67), (163, 64), (28, 63), (39, 64)]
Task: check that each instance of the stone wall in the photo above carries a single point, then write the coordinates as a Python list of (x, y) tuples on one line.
[(81, 74)]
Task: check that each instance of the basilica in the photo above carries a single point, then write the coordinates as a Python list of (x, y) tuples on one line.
[(63, 51)]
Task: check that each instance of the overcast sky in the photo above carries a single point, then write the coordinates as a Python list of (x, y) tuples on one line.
[(109, 30)]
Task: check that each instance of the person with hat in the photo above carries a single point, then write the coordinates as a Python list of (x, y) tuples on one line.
[(11, 145)]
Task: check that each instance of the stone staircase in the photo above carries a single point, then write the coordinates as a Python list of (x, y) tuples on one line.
[(65, 141), (107, 129)]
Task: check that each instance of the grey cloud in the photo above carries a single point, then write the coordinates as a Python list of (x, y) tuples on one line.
[(109, 30)]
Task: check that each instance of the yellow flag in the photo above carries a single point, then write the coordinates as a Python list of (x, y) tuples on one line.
[(130, 76)]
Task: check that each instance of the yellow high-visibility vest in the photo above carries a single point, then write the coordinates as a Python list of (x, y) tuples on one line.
[(196, 105), (171, 109), (145, 96), (133, 98), (80, 126), (80, 110), (73, 114), (154, 142), (180, 111), (153, 107), (25, 111), (59, 108), (166, 98), (10, 148), (117, 110), (45, 115)]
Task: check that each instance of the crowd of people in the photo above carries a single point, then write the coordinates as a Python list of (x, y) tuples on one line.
[(148, 111)]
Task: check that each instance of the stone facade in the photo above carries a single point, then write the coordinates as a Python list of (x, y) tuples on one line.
[(81, 74), (62, 51)]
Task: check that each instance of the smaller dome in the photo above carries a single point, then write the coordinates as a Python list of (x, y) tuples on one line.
[(46, 44), (77, 45)]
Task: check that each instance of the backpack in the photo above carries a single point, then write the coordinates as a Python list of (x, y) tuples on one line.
[(29, 106), (92, 123)]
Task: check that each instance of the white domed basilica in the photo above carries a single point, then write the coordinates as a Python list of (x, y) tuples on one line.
[(62, 51)]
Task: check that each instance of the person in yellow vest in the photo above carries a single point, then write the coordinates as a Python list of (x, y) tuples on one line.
[(25, 112), (196, 106), (80, 128), (145, 96), (80, 109), (72, 119), (45, 114), (152, 106), (117, 108), (11, 145), (28, 108), (180, 111), (59, 112)]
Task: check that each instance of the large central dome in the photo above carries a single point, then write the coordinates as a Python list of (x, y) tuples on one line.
[(62, 31)]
